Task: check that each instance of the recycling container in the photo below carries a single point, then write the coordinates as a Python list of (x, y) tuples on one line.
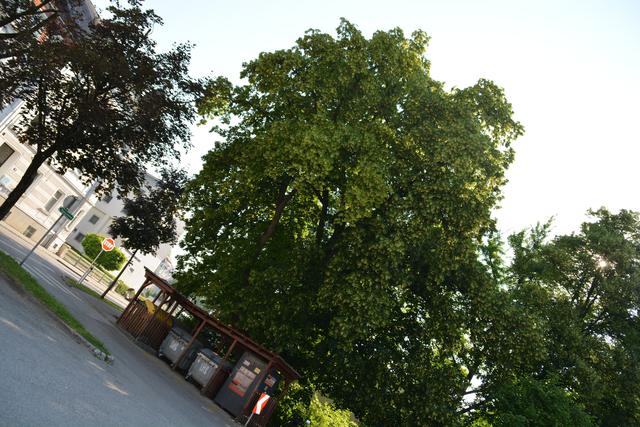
[(206, 364), (175, 343)]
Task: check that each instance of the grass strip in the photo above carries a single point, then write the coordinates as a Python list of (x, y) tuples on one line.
[(86, 290), (12, 269)]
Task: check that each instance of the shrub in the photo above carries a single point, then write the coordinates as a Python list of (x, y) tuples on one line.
[(112, 260), (122, 288)]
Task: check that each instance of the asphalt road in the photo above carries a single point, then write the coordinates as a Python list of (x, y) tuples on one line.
[(48, 379)]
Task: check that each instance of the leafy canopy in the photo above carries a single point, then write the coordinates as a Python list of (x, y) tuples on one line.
[(149, 218), (102, 101), (584, 289), (340, 217), (25, 21)]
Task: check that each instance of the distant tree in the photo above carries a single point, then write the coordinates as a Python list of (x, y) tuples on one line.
[(105, 104), (340, 218), (112, 260), (149, 218), (583, 289)]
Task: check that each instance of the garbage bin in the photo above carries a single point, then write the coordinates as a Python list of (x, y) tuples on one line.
[(205, 366), (175, 343)]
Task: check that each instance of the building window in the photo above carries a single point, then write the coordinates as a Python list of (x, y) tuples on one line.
[(107, 198), (53, 201), (29, 231), (94, 219), (79, 237), (5, 153)]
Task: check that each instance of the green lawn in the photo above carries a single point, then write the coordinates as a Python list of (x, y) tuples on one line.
[(91, 292), (12, 269)]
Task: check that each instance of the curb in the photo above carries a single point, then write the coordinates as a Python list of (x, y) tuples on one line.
[(97, 353)]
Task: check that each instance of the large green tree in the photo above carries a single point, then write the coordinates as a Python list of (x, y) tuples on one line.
[(340, 218), (104, 102), (584, 290)]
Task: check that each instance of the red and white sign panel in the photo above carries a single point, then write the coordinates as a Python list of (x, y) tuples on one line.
[(261, 403), (108, 244)]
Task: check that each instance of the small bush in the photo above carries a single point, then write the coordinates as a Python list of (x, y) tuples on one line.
[(121, 288), (113, 260)]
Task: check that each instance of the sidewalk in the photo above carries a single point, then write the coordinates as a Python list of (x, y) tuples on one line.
[(51, 380), (92, 284), (89, 282)]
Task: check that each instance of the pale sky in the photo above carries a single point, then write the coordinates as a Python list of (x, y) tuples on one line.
[(571, 69)]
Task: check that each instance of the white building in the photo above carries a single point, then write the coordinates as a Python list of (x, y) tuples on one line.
[(38, 209), (98, 218)]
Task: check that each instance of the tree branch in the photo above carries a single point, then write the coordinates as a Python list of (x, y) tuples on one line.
[(31, 30), (588, 301), (324, 199), (281, 203), (283, 199), (33, 10)]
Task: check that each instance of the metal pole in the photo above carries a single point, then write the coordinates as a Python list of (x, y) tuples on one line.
[(86, 273), (249, 420), (115, 281), (41, 239)]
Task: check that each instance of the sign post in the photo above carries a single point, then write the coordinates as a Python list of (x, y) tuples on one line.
[(64, 212), (260, 404), (107, 245)]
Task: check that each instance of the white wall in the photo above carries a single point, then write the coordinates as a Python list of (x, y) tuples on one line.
[(31, 209), (105, 210)]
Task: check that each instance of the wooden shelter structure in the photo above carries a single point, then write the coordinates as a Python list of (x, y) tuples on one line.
[(152, 326)]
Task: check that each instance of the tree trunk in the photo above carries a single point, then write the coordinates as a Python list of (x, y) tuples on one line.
[(115, 281), (26, 180), (281, 203), (283, 199)]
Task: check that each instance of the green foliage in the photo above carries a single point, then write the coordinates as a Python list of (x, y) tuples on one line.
[(112, 260), (101, 100), (532, 403), (150, 217), (15, 272), (294, 407), (301, 403), (122, 288), (324, 414), (346, 205), (585, 289)]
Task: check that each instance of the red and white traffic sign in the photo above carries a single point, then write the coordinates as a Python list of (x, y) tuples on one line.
[(261, 403), (108, 244)]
